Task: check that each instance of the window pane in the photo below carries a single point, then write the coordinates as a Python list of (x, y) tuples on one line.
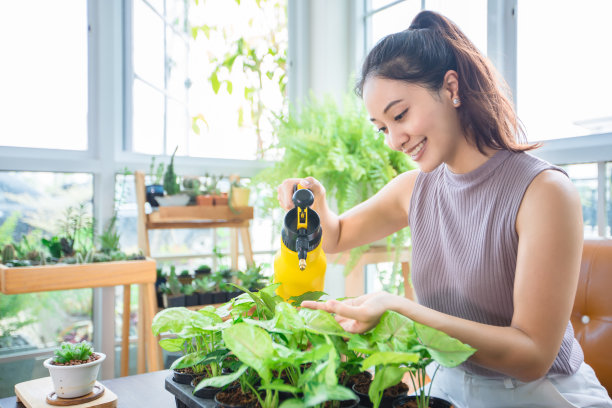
[(561, 63), (584, 177), (177, 126), (393, 19), (148, 119), (43, 76), (148, 48), (470, 16), (177, 65), (33, 205)]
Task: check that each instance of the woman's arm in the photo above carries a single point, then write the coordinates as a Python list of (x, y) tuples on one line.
[(549, 225), (379, 216)]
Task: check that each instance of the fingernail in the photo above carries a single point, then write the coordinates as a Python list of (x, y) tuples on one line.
[(305, 182)]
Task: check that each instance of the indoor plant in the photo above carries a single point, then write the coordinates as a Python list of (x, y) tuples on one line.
[(155, 189), (172, 187), (74, 369)]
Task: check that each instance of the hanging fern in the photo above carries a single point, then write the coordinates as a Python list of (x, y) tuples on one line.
[(339, 147)]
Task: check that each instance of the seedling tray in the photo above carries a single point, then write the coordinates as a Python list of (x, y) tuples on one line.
[(184, 397)]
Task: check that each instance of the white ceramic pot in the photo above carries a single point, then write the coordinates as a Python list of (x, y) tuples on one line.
[(74, 381)]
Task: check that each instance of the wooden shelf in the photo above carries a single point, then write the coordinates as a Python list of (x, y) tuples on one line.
[(45, 278), (199, 216)]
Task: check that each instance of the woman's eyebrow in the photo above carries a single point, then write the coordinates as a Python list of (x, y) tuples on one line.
[(389, 105)]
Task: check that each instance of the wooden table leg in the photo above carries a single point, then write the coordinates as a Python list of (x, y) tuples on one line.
[(125, 332), (141, 329), (246, 245), (234, 247)]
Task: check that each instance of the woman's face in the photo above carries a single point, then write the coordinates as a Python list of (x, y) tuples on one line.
[(416, 121)]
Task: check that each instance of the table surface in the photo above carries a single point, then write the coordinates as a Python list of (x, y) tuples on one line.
[(143, 390)]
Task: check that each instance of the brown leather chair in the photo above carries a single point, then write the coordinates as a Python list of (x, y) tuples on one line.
[(592, 313)]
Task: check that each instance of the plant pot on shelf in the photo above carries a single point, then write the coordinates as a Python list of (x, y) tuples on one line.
[(411, 402), (152, 192), (183, 376), (204, 199), (72, 381), (219, 297), (205, 298), (185, 279), (174, 300), (173, 200), (240, 196), (234, 398), (221, 199), (191, 300)]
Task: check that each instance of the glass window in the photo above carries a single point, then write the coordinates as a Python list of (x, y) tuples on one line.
[(562, 66), (43, 76), (393, 19), (584, 177), (219, 69)]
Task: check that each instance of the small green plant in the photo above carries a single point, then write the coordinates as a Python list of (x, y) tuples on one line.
[(156, 174), (8, 253), (73, 351), (109, 239), (253, 278), (171, 185)]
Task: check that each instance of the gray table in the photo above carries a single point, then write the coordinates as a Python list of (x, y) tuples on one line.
[(143, 390)]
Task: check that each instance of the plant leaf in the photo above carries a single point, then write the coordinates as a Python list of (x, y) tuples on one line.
[(446, 350), (297, 300), (384, 378), (172, 344), (320, 321), (389, 357), (170, 320), (221, 380), (253, 346)]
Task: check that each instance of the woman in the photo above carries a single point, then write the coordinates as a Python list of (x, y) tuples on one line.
[(496, 232)]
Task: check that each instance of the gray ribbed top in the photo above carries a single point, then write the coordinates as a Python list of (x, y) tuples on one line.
[(464, 245)]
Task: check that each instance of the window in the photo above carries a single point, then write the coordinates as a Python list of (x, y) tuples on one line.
[(208, 77), (562, 65), (43, 77)]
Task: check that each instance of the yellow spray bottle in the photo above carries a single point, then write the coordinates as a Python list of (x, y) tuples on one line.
[(300, 263)]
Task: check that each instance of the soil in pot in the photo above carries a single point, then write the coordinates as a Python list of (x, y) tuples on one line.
[(389, 394), (359, 378), (183, 375), (233, 398), (410, 402), (206, 392)]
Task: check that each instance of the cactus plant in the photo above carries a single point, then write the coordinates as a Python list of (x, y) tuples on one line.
[(171, 186), (8, 253)]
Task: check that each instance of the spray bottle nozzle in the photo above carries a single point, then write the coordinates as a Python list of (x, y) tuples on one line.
[(303, 198), (301, 247)]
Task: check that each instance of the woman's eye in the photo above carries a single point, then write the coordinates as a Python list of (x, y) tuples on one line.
[(382, 130), (401, 115)]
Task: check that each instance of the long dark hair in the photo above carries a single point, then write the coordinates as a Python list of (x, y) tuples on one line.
[(425, 52)]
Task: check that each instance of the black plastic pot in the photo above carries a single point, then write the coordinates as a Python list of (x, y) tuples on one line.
[(219, 297), (206, 392), (191, 300), (182, 378), (205, 298), (434, 402), (231, 295), (221, 404), (174, 301), (386, 402), (154, 190)]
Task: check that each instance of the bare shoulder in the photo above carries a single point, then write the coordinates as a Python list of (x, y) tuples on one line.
[(403, 185), (550, 195)]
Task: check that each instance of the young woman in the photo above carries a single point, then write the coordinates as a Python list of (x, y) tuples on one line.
[(496, 232)]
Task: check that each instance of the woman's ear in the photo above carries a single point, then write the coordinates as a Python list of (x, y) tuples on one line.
[(451, 88)]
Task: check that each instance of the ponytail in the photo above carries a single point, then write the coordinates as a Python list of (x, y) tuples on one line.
[(425, 52)]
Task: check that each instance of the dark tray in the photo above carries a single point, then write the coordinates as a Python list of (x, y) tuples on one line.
[(184, 397)]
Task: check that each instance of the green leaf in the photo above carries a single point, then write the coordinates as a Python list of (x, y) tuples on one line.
[(253, 346), (230, 87), (222, 380), (172, 344), (320, 321), (394, 326), (389, 357), (188, 360), (214, 81), (292, 403), (297, 300), (443, 348), (384, 378), (324, 392), (170, 320), (270, 75), (288, 318)]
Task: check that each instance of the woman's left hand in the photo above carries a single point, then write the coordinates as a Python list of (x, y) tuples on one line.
[(356, 315)]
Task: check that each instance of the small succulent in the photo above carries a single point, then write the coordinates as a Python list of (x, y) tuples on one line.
[(73, 351)]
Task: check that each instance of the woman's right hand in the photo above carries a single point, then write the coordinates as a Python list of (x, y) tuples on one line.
[(285, 192)]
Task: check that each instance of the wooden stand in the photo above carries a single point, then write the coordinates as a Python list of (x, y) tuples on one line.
[(34, 394), (46, 278), (198, 216)]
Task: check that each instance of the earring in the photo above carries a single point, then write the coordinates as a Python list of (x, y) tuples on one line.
[(455, 101)]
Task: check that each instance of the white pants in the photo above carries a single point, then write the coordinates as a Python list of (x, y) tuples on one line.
[(467, 390)]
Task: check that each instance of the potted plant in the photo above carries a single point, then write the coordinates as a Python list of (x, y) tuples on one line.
[(185, 277), (204, 286), (172, 187), (74, 369), (238, 194), (172, 290), (253, 278), (156, 189), (202, 270)]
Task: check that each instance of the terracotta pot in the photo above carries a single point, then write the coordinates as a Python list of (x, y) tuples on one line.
[(204, 199), (221, 199)]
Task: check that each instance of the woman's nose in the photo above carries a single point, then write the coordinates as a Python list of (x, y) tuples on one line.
[(394, 139)]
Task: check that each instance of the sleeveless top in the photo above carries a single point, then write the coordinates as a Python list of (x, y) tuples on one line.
[(464, 245)]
